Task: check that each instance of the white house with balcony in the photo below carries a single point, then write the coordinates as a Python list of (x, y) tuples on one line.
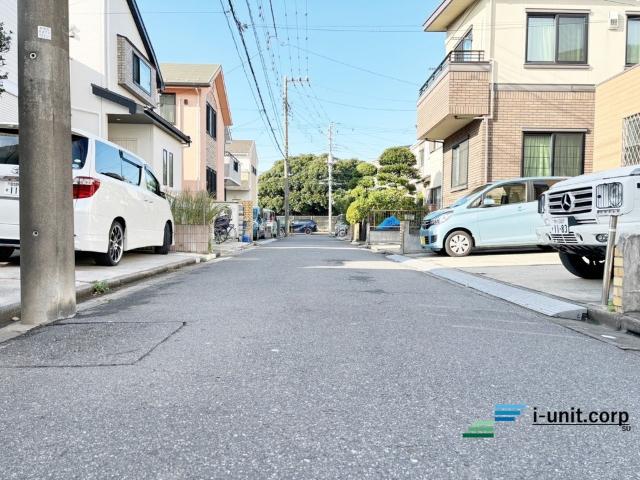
[(115, 83), (241, 171)]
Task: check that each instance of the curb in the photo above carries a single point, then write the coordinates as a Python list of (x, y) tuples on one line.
[(616, 321), (84, 292)]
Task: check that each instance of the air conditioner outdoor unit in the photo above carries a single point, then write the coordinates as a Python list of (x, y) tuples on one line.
[(614, 21)]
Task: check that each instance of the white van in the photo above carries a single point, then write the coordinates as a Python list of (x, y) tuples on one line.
[(118, 204)]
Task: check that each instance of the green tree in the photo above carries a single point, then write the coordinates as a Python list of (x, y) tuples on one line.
[(5, 44), (308, 184), (388, 187)]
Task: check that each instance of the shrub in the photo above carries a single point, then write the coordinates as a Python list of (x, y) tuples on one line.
[(195, 208)]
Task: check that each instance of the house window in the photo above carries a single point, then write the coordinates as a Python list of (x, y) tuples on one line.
[(165, 167), (557, 39), (211, 121), (141, 74), (168, 107), (236, 165), (460, 165), (631, 141), (171, 169), (633, 40), (254, 170), (434, 197), (211, 181), (553, 154)]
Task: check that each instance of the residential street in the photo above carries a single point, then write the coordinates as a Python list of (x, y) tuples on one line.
[(308, 358)]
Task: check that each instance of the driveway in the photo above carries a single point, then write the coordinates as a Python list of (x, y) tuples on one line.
[(538, 271)]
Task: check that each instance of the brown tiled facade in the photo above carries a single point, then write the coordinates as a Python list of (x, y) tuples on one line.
[(518, 111), (461, 92), (211, 144)]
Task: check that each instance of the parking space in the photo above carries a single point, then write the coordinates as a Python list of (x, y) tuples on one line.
[(538, 271)]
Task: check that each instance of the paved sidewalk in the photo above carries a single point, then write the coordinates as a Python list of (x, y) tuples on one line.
[(133, 266)]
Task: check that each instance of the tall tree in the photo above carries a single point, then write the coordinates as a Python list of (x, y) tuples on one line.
[(308, 184), (5, 44)]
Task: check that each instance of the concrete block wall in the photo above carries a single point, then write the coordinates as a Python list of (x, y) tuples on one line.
[(626, 274)]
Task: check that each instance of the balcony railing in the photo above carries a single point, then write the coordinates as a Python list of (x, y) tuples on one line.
[(455, 56)]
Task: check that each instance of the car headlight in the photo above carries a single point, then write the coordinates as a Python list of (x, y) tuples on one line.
[(609, 195), (442, 218)]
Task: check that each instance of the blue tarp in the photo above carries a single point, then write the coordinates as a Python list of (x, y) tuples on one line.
[(389, 223)]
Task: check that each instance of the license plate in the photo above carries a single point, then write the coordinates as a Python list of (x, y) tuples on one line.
[(10, 188), (560, 226)]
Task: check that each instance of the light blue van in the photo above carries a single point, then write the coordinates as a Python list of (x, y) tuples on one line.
[(502, 214)]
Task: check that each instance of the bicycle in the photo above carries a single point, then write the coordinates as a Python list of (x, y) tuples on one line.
[(223, 229)]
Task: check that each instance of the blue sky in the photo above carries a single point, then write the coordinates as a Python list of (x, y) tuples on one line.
[(325, 40)]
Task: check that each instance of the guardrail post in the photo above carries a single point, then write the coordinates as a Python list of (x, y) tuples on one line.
[(608, 264)]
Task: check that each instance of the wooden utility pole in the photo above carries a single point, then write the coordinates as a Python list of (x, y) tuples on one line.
[(47, 259)]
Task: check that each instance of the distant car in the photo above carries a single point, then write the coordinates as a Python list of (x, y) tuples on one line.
[(304, 226), (118, 204), (497, 215)]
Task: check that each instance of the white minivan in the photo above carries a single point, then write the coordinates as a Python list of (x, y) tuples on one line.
[(118, 204)]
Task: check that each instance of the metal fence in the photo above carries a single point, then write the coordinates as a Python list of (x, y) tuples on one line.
[(414, 217)]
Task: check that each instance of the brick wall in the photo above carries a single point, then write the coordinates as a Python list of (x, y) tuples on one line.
[(474, 132), (211, 144), (517, 111)]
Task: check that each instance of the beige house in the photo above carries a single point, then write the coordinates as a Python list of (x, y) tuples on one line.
[(617, 126), (115, 83), (195, 101), (515, 94), (241, 171)]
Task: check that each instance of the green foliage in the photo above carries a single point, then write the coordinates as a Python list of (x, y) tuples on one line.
[(195, 208), (100, 287), (5, 44), (308, 184), (367, 169), (386, 188)]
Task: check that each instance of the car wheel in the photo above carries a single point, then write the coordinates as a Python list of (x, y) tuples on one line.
[(5, 253), (582, 267), (166, 243), (458, 244), (307, 231), (115, 248)]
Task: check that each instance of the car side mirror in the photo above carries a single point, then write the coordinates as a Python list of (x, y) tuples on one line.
[(488, 202)]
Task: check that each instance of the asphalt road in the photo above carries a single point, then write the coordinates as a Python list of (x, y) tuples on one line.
[(306, 358)]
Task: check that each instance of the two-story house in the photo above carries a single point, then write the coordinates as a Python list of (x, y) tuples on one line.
[(115, 83), (241, 171), (515, 94), (195, 100)]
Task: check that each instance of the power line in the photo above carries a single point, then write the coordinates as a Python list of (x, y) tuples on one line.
[(264, 110), (378, 74)]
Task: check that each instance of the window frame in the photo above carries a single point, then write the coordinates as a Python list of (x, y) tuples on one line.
[(556, 17), (552, 148), (137, 60), (636, 18), (165, 167), (211, 121), (171, 169), (163, 97), (460, 186)]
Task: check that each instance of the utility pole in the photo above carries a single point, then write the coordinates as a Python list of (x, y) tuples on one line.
[(47, 259), (285, 85), (285, 96), (330, 162)]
